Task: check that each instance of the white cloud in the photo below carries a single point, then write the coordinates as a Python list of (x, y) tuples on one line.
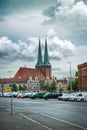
[(77, 8), (23, 24), (68, 21), (80, 8), (59, 49), (19, 50)]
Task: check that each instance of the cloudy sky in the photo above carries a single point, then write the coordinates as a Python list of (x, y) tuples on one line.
[(22, 22)]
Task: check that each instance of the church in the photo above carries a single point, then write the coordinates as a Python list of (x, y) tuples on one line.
[(33, 76)]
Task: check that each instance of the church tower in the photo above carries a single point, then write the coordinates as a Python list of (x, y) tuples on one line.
[(39, 60), (44, 66), (46, 57)]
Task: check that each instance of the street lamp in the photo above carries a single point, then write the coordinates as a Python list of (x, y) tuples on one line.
[(70, 77), (11, 92)]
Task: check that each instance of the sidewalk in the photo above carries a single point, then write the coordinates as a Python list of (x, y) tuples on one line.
[(17, 122)]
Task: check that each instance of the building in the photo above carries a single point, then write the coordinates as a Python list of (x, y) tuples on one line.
[(62, 85), (33, 76), (82, 77)]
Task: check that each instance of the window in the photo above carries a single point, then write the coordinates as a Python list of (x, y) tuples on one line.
[(36, 79), (30, 78)]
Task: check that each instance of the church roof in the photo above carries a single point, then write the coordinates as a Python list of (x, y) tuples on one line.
[(25, 73), (46, 57), (39, 60)]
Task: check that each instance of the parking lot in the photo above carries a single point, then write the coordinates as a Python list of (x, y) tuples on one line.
[(52, 113)]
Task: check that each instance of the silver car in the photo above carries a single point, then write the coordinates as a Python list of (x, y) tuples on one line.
[(81, 98)]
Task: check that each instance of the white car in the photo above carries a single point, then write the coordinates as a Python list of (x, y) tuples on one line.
[(74, 96), (61, 97), (81, 98)]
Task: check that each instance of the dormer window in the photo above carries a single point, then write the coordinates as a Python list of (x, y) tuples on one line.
[(30, 79), (36, 79)]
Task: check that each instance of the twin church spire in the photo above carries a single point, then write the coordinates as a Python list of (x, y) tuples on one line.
[(46, 57)]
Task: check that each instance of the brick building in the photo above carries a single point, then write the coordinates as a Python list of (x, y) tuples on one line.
[(82, 77)]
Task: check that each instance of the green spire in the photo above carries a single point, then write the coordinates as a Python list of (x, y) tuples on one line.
[(39, 60), (46, 58)]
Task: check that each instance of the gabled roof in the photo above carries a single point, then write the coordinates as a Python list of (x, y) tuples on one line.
[(25, 73)]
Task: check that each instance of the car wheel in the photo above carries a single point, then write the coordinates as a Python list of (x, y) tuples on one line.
[(75, 99), (82, 100)]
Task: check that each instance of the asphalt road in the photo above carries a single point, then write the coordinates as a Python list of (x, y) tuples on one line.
[(53, 114)]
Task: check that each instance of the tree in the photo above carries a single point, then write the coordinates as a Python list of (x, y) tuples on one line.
[(68, 87), (20, 87), (53, 86), (14, 87), (76, 74), (75, 84), (42, 87), (47, 87), (24, 87)]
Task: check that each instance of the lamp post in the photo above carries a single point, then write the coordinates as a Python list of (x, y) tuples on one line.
[(11, 92), (19, 78), (2, 87), (70, 77)]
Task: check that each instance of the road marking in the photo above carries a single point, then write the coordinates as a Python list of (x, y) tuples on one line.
[(38, 123), (70, 123)]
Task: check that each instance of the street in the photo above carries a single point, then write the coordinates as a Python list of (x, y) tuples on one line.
[(52, 114)]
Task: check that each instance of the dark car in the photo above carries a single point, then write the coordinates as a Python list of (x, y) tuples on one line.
[(27, 95), (50, 95), (38, 95)]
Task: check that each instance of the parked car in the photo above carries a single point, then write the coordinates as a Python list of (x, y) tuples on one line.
[(74, 96), (85, 98), (38, 95), (61, 97), (20, 95), (7, 94), (64, 97), (32, 93), (82, 97), (50, 95), (15, 94), (27, 95)]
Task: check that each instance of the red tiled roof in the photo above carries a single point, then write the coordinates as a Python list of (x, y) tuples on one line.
[(6, 80), (62, 81), (23, 74)]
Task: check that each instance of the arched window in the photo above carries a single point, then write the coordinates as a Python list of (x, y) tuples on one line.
[(30, 79), (36, 79)]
